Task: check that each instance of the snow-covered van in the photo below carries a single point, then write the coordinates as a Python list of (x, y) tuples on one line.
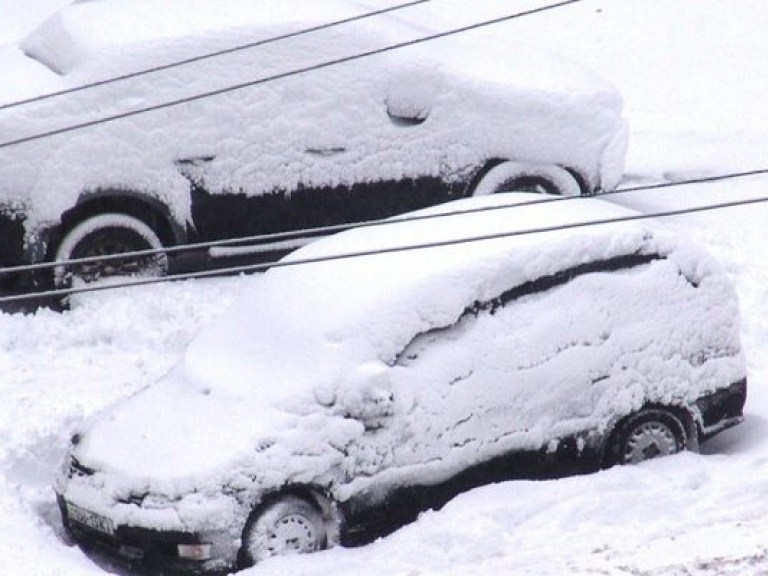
[(339, 398), (465, 115)]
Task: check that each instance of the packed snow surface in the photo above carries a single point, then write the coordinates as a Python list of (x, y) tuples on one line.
[(692, 75)]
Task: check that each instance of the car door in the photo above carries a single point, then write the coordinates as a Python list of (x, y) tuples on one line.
[(344, 144)]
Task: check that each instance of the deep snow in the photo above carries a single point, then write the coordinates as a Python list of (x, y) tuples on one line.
[(692, 73)]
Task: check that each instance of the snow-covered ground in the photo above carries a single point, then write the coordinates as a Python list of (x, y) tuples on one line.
[(693, 75)]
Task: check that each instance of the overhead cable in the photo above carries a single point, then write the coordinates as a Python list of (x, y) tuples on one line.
[(322, 231), (374, 252), (697, 180)]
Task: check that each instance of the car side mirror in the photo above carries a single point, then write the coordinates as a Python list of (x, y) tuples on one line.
[(405, 116), (412, 92), (368, 396)]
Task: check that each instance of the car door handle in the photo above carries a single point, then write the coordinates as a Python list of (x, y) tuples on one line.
[(325, 151)]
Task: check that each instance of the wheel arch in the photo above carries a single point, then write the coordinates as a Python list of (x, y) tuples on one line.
[(489, 165), (318, 497), (153, 212), (686, 415)]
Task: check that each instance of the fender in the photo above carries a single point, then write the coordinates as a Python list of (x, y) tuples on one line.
[(41, 245), (555, 179)]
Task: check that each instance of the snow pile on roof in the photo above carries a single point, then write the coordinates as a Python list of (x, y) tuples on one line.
[(83, 30)]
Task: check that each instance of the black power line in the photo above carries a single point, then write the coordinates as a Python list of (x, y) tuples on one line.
[(275, 77), (365, 253), (209, 55), (321, 231), (699, 180)]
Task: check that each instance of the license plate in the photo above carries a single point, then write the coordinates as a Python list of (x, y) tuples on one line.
[(90, 519)]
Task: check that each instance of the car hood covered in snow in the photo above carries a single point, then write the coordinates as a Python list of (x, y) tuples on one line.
[(275, 385)]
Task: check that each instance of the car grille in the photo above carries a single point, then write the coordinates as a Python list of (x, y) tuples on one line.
[(135, 499)]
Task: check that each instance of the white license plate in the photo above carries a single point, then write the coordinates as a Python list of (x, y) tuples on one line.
[(90, 519)]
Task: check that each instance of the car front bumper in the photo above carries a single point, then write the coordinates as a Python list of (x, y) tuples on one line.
[(158, 551)]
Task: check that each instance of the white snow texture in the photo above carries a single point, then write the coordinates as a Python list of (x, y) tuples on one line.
[(692, 74)]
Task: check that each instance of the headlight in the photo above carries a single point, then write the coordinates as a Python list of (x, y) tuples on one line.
[(65, 466), (194, 551)]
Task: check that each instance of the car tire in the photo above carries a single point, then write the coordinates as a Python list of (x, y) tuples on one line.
[(521, 177), (103, 235), (286, 525), (647, 434)]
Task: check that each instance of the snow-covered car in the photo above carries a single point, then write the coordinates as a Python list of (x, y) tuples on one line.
[(466, 115), (337, 399)]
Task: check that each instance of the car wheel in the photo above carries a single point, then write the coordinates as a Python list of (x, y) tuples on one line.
[(520, 177), (648, 434), (104, 235), (288, 525)]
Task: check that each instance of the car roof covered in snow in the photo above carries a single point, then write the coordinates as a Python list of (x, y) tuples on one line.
[(84, 30), (305, 335), (316, 324), (87, 40)]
